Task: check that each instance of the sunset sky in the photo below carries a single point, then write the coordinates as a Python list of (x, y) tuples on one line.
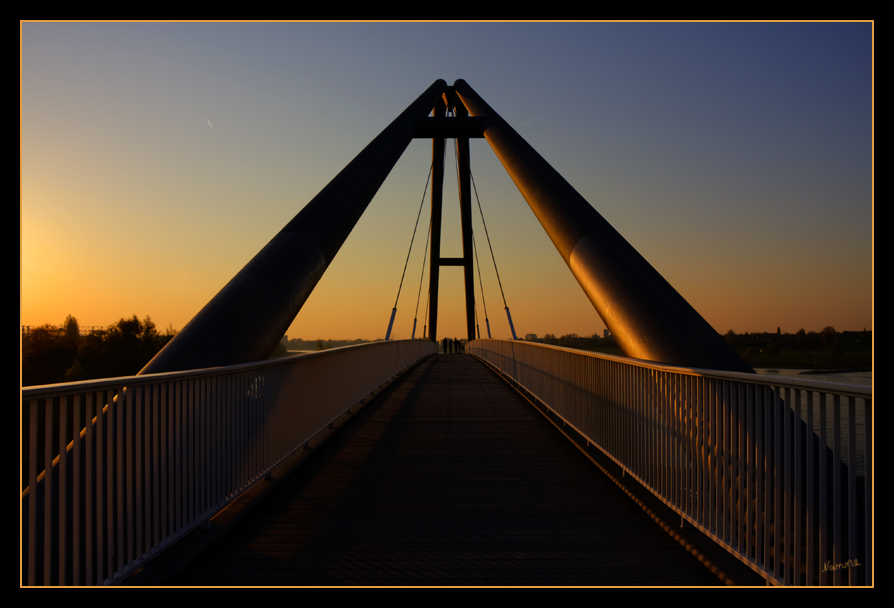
[(158, 158)]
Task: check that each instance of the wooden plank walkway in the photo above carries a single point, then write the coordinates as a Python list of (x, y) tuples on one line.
[(448, 478)]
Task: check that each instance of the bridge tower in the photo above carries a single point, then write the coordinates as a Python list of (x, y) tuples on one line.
[(247, 318), (450, 104)]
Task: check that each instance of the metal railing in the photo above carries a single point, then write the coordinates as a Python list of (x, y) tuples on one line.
[(138, 462), (777, 471)]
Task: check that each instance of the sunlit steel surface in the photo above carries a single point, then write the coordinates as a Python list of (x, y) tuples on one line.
[(647, 317), (724, 450), (249, 316), (170, 451)]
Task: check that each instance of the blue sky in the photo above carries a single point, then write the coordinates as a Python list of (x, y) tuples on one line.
[(158, 158)]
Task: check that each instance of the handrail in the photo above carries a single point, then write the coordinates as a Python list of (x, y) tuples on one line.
[(749, 460), (140, 461), (857, 390)]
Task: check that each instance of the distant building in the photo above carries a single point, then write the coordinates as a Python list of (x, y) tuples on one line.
[(606, 333)]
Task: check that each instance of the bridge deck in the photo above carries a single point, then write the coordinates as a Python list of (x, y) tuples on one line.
[(449, 478)]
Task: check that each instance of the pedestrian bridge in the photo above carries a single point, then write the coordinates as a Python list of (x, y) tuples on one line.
[(124, 474), (447, 477)]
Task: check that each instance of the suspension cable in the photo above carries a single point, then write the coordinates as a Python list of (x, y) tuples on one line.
[(477, 325), (481, 283), (483, 223), (425, 318), (422, 276), (493, 257), (418, 215), (413, 238)]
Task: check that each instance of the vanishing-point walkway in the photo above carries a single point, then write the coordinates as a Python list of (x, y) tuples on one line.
[(449, 478)]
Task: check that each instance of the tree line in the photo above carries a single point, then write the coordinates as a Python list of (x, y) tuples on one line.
[(770, 344), (299, 344), (52, 353), (594, 342), (826, 348)]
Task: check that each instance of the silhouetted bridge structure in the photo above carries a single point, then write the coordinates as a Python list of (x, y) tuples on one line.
[(445, 474)]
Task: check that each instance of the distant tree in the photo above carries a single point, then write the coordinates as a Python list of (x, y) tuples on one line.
[(827, 335), (147, 329), (122, 349), (568, 340), (45, 356), (730, 338), (72, 332)]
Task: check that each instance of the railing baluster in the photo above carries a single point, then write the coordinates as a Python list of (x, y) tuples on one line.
[(742, 451), (126, 509), (63, 490), (823, 508), (799, 521), (48, 496), (142, 471), (735, 464), (89, 494), (77, 512), (727, 464), (852, 551), (751, 465), (787, 564), (776, 470), (154, 537), (867, 496), (767, 477), (759, 477), (811, 548), (715, 455), (33, 553), (836, 488), (119, 489)]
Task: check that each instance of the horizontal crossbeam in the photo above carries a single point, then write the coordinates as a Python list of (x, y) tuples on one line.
[(451, 262), (449, 127)]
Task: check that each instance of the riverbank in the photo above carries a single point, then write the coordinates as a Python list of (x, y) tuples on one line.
[(810, 362), (818, 361), (861, 377)]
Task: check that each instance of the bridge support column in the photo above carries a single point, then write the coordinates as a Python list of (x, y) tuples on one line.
[(248, 317), (437, 197), (465, 209), (463, 164), (648, 318)]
